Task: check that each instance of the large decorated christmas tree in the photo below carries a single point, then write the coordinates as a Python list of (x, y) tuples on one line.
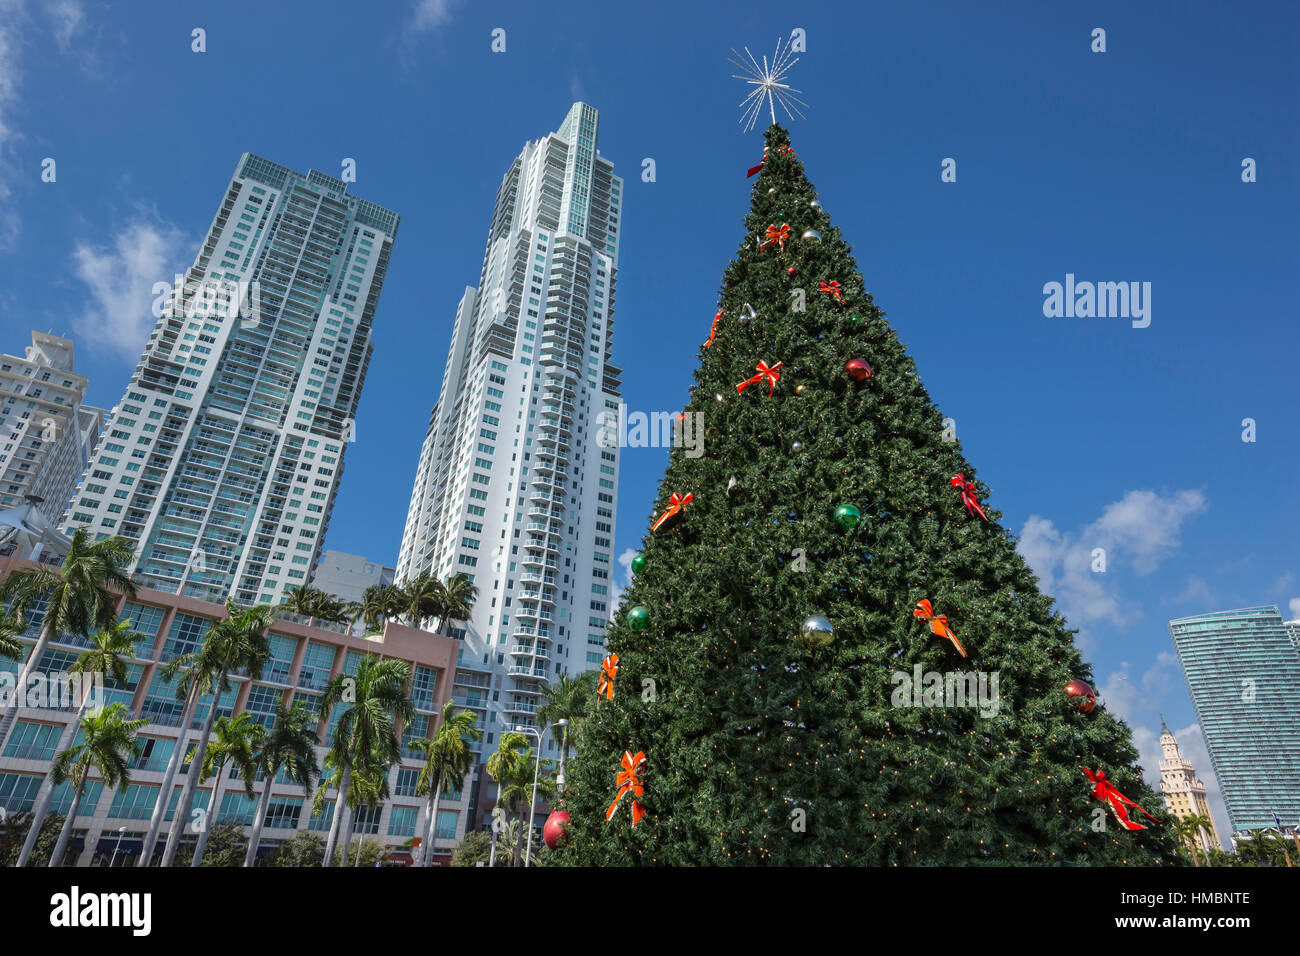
[(831, 652)]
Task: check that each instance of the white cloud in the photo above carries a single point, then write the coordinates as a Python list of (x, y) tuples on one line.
[(1196, 591), (68, 17), (1138, 532), (120, 278), (1295, 608), (617, 589), (431, 14)]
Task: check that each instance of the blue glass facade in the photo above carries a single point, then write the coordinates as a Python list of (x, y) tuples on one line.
[(1243, 671)]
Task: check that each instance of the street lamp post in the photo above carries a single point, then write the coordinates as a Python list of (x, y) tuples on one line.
[(532, 807), (121, 832)]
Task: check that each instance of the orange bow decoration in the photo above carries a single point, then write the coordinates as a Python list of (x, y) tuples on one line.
[(938, 624), (713, 330), (629, 781), (832, 288), (675, 504), (770, 373), (1106, 792), (608, 671), (776, 235)]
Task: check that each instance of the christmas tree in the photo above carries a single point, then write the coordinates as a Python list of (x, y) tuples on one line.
[(818, 587)]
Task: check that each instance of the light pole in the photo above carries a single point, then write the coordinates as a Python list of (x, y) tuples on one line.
[(121, 832), (532, 807)]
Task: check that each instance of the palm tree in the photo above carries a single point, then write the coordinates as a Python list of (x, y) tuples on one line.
[(10, 646), (448, 758), (367, 785), (194, 683), (1186, 835), (110, 649), (458, 596), (237, 742), (314, 605), (290, 746), (237, 644), (511, 763), (369, 789), (79, 597), (1197, 823), (422, 597), (108, 745), (524, 783), (567, 700), (375, 607), (377, 696)]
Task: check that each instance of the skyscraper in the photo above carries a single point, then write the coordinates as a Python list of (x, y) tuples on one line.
[(1243, 670), (46, 434), (1183, 791), (224, 456), (513, 487)]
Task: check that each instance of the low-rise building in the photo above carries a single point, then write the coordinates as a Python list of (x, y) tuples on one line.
[(304, 659)]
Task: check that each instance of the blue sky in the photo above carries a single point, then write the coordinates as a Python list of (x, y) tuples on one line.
[(1115, 166)]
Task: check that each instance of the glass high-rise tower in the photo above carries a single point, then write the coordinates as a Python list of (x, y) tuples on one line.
[(1243, 671), (513, 486), (224, 456)]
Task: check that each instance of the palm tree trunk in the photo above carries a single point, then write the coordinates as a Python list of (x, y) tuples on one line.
[(46, 796), (169, 780), (349, 831), (65, 835), (10, 717), (340, 810), (214, 808), (432, 828), (519, 843), (255, 835), (192, 778)]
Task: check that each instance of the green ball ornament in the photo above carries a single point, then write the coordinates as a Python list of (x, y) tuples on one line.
[(638, 563), (638, 619), (847, 517)]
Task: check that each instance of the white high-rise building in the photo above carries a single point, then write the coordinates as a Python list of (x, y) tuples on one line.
[(513, 486), (46, 434), (224, 456)]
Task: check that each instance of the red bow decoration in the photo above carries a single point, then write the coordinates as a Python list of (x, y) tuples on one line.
[(608, 671), (776, 234), (713, 330), (629, 781), (675, 504), (771, 373), (1106, 792), (833, 288), (938, 625), (968, 495), (754, 169)]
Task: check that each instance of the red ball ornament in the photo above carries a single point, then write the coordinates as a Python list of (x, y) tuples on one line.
[(791, 270), (1082, 694), (553, 832), (858, 370)]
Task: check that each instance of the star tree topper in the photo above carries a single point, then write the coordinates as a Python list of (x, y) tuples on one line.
[(769, 84)]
